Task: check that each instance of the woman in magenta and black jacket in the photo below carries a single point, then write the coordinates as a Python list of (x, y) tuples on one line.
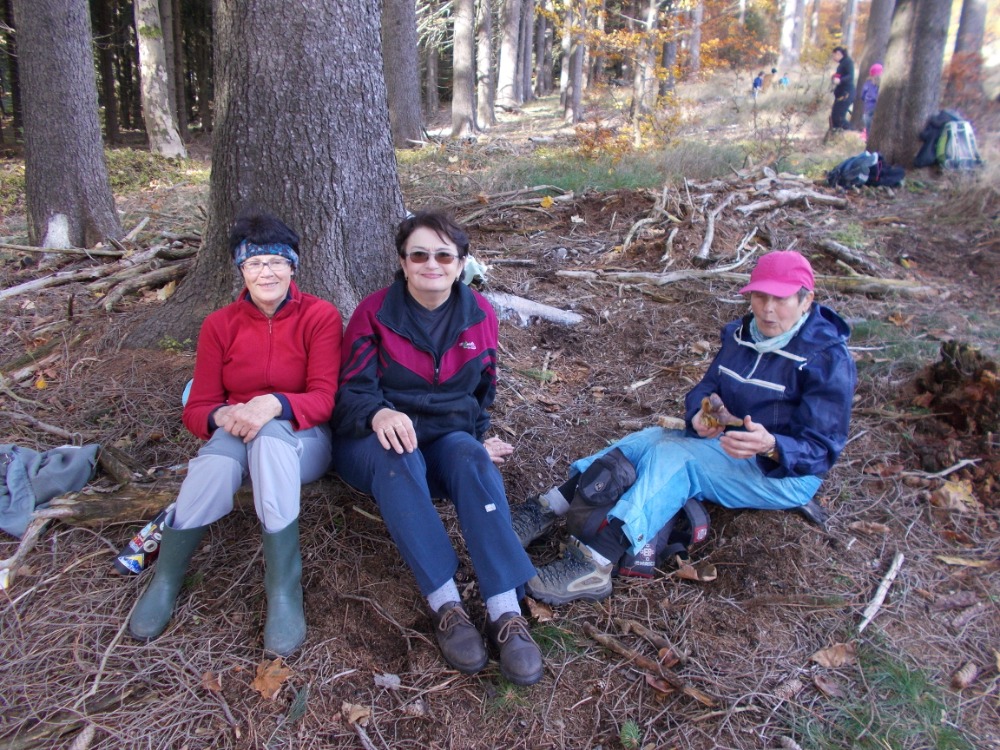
[(418, 376)]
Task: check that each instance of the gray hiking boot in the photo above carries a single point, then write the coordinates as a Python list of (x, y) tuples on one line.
[(575, 576), (532, 519)]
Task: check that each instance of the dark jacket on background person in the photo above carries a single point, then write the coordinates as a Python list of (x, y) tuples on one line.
[(845, 86), (802, 394), (388, 361)]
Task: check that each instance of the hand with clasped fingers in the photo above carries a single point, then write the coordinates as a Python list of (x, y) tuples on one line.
[(245, 420)]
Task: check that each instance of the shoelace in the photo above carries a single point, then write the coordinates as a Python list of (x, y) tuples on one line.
[(454, 613), (515, 626)]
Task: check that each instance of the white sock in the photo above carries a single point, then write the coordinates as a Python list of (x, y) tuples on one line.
[(554, 501), (501, 604), (443, 595)]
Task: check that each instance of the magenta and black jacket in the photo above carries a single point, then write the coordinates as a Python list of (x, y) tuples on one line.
[(387, 361)]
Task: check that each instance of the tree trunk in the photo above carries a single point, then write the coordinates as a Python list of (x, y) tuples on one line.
[(799, 29), (668, 59), (543, 54), (304, 136), (848, 25), (67, 191), (432, 97), (205, 74), (485, 69), (157, 112), (180, 80), (565, 51), (166, 11), (527, 45), (507, 69), (463, 97), (791, 30), (10, 44), (125, 54), (644, 75), (106, 65), (965, 73), (594, 66), (574, 98), (694, 52), (911, 83), (814, 22), (402, 71), (876, 40)]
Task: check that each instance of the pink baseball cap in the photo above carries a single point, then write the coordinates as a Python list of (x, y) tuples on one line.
[(781, 274), (875, 70)]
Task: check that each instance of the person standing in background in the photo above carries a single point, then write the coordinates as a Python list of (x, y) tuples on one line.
[(843, 89)]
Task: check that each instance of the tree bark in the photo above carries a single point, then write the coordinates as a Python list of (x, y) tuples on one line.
[(668, 60), (463, 98), (965, 73), (574, 97), (848, 25), (876, 41), (304, 136), (527, 45), (10, 44), (402, 72), (694, 40), (106, 65), (157, 112), (177, 75), (544, 81), (565, 51), (166, 11), (125, 56), (67, 191), (791, 30), (911, 83), (507, 70), (485, 68)]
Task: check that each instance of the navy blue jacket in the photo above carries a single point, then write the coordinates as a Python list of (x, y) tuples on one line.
[(802, 394), (388, 361)]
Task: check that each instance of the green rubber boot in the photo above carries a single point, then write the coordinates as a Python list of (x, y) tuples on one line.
[(285, 628), (152, 614)]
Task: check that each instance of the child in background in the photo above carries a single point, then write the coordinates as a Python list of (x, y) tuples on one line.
[(758, 84), (783, 81), (869, 94)]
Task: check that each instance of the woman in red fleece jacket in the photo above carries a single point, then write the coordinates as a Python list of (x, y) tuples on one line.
[(264, 383)]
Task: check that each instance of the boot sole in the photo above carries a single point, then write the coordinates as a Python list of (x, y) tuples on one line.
[(590, 596), (523, 681), (468, 670)]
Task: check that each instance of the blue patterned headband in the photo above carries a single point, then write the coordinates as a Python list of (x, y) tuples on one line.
[(247, 250)]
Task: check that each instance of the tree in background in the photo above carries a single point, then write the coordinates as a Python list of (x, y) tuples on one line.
[(876, 41), (463, 97), (965, 73), (305, 136), (507, 70), (157, 103), (485, 67), (402, 73), (67, 191), (911, 83)]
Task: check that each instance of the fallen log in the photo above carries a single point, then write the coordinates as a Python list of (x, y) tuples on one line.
[(155, 278), (525, 309), (784, 197), (706, 243), (96, 252), (844, 253)]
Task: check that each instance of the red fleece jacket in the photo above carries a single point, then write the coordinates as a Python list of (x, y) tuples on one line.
[(242, 354)]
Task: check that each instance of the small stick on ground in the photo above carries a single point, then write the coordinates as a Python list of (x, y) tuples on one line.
[(883, 588)]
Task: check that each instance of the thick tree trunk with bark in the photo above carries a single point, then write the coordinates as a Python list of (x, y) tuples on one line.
[(644, 75), (544, 82), (911, 83), (157, 109), (68, 195), (965, 73), (463, 98), (432, 97), (305, 137), (668, 59), (510, 19), (402, 71), (876, 41), (101, 15), (485, 69), (527, 47), (573, 112)]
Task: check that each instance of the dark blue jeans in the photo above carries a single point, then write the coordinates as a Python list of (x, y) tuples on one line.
[(455, 466)]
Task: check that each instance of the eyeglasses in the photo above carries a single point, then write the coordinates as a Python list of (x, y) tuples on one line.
[(444, 257), (277, 265)]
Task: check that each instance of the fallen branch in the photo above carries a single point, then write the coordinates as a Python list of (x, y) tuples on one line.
[(526, 309), (784, 197), (62, 723), (59, 432), (155, 278), (514, 203), (706, 243), (844, 253), (883, 588), (643, 662), (95, 253), (57, 279)]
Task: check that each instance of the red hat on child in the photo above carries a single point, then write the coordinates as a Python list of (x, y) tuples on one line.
[(875, 70), (781, 274)]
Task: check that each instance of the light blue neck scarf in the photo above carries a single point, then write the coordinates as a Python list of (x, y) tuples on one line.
[(766, 345)]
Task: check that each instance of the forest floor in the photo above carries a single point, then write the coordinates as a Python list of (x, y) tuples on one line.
[(773, 639)]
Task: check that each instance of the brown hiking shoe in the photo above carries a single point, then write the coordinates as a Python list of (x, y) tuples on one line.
[(461, 644), (520, 657)]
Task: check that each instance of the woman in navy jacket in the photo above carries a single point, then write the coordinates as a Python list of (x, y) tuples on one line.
[(418, 376), (786, 378)]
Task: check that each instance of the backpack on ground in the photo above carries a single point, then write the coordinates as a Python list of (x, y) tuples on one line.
[(927, 155), (883, 174), (852, 172), (956, 146), (686, 529)]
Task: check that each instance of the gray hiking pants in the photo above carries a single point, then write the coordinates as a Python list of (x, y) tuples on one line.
[(278, 461)]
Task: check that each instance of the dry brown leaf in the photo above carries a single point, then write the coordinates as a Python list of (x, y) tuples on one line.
[(955, 496), (835, 656), (965, 676), (965, 562), (898, 319), (352, 713), (958, 600), (703, 572), (659, 684), (540, 611), (883, 470), (416, 708), (271, 675), (701, 347), (165, 291), (211, 682), (788, 689), (667, 657), (868, 527), (828, 686)]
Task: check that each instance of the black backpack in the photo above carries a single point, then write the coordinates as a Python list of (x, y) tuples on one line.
[(852, 172), (927, 155), (686, 529), (883, 174)]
